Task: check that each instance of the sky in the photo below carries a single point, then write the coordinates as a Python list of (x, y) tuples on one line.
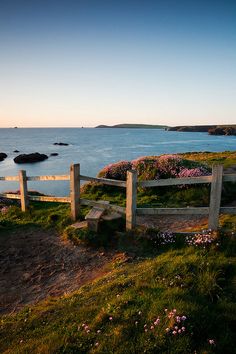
[(89, 62)]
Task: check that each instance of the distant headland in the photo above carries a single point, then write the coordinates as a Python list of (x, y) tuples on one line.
[(134, 126), (210, 129)]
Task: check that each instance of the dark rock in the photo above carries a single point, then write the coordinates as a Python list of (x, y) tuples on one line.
[(16, 151), (30, 158), (2, 156), (193, 128), (54, 154), (222, 131), (61, 144)]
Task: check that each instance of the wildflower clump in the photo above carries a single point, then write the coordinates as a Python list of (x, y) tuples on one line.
[(146, 167), (204, 239), (176, 325), (155, 167), (116, 170), (158, 238)]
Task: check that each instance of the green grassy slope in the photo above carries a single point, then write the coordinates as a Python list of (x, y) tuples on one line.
[(127, 311)]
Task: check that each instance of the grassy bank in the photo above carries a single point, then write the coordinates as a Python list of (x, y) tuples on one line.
[(163, 293), (139, 306)]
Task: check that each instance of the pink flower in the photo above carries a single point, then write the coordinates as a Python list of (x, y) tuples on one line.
[(110, 318), (211, 341)]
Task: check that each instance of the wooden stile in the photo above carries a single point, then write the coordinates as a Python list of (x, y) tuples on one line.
[(23, 190), (215, 197), (75, 190), (131, 199)]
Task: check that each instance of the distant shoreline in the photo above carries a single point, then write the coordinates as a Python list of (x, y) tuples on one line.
[(134, 126), (210, 129)]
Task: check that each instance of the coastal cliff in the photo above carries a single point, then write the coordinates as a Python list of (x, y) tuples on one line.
[(210, 129)]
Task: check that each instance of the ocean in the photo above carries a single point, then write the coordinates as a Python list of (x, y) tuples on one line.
[(93, 149)]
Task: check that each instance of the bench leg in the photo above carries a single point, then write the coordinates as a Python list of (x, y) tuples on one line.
[(93, 225)]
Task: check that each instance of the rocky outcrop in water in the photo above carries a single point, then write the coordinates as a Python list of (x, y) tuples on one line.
[(54, 154), (30, 158), (2, 156), (61, 144)]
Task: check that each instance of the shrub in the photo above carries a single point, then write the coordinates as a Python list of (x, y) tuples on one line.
[(116, 170), (155, 167)]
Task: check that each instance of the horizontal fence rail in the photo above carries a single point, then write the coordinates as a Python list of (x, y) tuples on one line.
[(175, 181), (173, 211), (131, 184), (109, 182), (49, 178)]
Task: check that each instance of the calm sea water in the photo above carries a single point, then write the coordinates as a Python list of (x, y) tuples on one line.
[(93, 149)]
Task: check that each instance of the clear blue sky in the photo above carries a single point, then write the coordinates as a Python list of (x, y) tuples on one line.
[(83, 63)]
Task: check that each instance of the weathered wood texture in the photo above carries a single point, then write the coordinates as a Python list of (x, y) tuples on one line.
[(131, 199), (109, 182), (9, 178), (93, 218), (172, 211), (49, 178), (42, 198), (11, 196), (75, 190), (94, 214), (103, 204), (175, 181), (23, 190), (228, 210), (215, 197)]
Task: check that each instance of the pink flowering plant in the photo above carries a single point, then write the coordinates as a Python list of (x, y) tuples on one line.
[(116, 170), (203, 239), (155, 167)]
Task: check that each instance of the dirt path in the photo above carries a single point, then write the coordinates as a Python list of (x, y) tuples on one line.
[(35, 264)]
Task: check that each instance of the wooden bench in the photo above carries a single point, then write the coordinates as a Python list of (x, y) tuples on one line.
[(93, 218)]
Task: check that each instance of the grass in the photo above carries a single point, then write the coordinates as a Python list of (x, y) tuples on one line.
[(124, 311), (226, 158), (135, 307)]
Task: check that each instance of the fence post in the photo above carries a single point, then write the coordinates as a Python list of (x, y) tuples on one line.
[(23, 190), (131, 199), (215, 197), (75, 190)]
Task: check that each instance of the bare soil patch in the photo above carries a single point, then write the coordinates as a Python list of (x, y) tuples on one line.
[(173, 223), (35, 264)]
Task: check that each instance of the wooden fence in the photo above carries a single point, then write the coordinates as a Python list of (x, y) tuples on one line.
[(131, 185)]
